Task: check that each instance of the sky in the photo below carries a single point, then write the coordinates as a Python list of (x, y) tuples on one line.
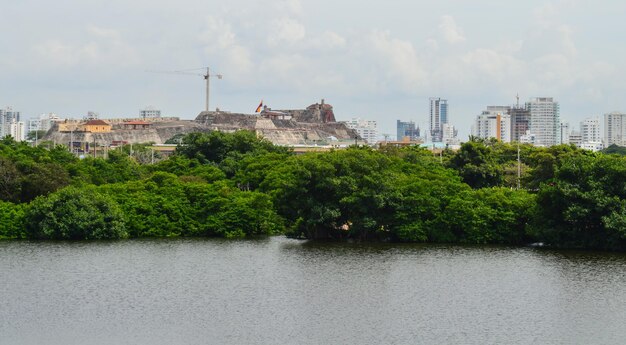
[(377, 60)]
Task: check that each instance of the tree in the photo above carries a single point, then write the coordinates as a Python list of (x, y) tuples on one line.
[(42, 179), (10, 180), (35, 135), (75, 214), (11, 220), (476, 164)]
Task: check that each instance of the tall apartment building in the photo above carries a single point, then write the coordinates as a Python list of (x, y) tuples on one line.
[(149, 113), (17, 130), (367, 129), (590, 130), (544, 120), (495, 122), (8, 116), (564, 133), (615, 129), (520, 122), (438, 116), (407, 129)]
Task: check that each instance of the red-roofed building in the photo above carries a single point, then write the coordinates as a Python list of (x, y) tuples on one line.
[(136, 125)]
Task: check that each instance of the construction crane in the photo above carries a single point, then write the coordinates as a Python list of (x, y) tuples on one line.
[(207, 76)]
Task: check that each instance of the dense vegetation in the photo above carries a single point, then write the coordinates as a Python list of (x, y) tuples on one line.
[(235, 185)]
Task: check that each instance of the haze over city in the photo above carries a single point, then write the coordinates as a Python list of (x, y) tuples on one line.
[(380, 61)]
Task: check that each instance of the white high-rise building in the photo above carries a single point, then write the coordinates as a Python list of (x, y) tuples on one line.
[(437, 117), (7, 117), (590, 130), (495, 122), (615, 129), (17, 130), (544, 120), (367, 129)]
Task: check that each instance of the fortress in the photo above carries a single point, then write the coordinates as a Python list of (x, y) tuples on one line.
[(315, 125)]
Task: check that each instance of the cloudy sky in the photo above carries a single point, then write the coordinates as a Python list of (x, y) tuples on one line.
[(378, 60)]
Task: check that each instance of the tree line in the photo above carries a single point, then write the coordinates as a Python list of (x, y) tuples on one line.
[(236, 185)]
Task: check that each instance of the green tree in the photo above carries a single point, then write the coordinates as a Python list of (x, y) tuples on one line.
[(10, 180), (477, 165), (75, 214), (11, 220)]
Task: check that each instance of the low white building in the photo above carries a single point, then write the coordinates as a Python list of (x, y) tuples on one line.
[(367, 129), (150, 112), (594, 146)]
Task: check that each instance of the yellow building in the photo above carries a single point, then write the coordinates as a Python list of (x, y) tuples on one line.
[(97, 126)]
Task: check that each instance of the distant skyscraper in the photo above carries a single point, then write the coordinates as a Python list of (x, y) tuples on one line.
[(17, 130), (438, 116), (495, 122), (615, 129), (520, 123), (407, 129), (7, 117), (367, 129), (544, 120), (564, 133)]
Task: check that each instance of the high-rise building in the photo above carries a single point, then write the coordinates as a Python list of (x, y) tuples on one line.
[(17, 130), (7, 117), (590, 130), (150, 113), (615, 129), (564, 133), (367, 129), (544, 120), (407, 129), (495, 122), (520, 122), (438, 116)]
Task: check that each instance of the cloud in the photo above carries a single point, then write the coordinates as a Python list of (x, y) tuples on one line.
[(398, 60), (450, 31), (220, 42), (285, 31), (327, 40), (102, 47)]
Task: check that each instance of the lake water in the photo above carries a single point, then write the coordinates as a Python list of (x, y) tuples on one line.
[(282, 291)]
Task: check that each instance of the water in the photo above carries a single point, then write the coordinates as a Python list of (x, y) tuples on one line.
[(281, 291)]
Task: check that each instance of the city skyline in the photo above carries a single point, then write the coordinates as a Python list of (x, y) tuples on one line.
[(381, 65)]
